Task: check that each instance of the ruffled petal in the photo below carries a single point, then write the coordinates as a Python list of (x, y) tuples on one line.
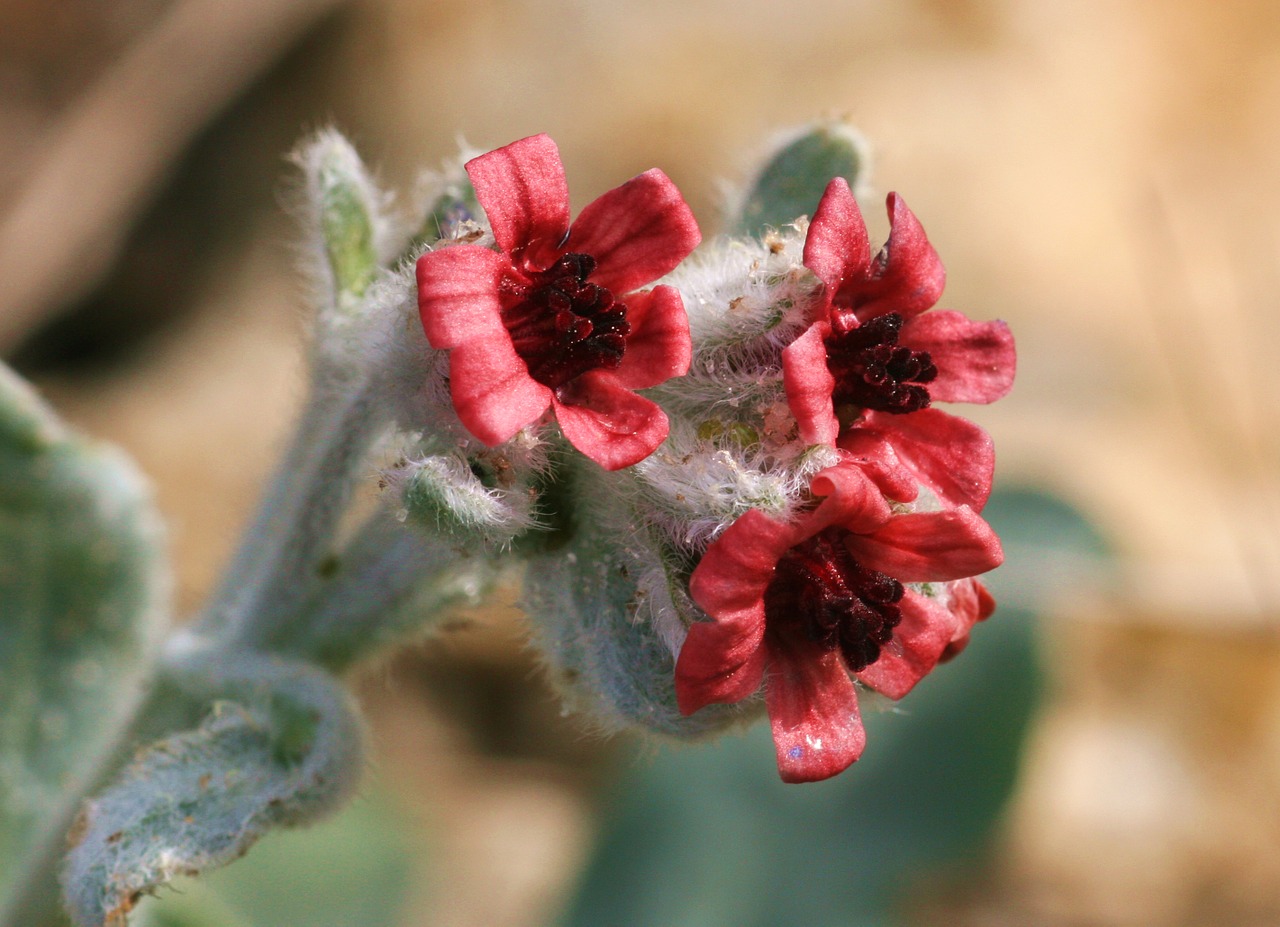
[(524, 193), (458, 295), (730, 579), (813, 711), (909, 277), (658, 347), (607, 422), (918, 643), (637, 232), (952, 456), (851, 500), (873, 455), (492, 391), (721, 661), (932, 546), (837, 248), (809, 385), (976, 361), (970, 603)]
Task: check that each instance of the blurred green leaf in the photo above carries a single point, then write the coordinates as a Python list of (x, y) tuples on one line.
[(286, 752), (1050, 548), (708, 836), (792, 180), (83, 593)]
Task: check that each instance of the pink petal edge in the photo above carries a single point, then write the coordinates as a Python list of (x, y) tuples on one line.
[(637, 232), (813, 713), (607, 422), (524, 193), (809, 385), (658, 347)]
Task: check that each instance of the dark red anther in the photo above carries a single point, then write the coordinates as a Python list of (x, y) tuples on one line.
[(820, 593), (873, 371), (561, 324)]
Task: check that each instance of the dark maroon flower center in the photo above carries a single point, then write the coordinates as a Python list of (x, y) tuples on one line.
[(821, 594), (561, 324), (873, 371)]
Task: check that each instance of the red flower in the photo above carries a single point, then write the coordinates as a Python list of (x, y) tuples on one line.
[(798, 607), (863, 376), (554, 318)]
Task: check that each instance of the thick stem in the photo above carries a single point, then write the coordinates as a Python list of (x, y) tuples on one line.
[(275, 568), (389, 579)]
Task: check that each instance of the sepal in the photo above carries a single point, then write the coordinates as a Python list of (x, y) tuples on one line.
[(610, 611)]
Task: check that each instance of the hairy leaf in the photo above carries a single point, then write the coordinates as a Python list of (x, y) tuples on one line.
[(83, 591), (791, 182), (286, 750)]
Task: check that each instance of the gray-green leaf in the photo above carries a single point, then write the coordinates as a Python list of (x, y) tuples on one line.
[(83, 591), (792, 180), (287, 750)]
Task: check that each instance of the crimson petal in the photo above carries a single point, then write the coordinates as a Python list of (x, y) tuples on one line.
[(492, 391), (950, 455), (720, 661), (658, 347), (524, 193), (918, 643), (924, 547), (636, 232), (809, 384), (813, 711), (910, 276), (975, 360), (836, 247), (607, 422), (458, 295)]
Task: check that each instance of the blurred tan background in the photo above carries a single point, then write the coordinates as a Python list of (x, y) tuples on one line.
[(1099, 174)]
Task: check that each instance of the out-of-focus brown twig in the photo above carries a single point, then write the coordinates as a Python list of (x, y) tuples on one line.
[(106, 157)]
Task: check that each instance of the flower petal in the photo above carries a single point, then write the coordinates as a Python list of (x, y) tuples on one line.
[(458, 295), (723, 660), (836, 247), (909, 276), (809, 385), (492, 391), (813, 711), (950, 455), (730, 580), (976, 361), (607, 422), (873, 455), (918, 643), (524, 193), (720, 661), (658, 347), (636, 232), (924, 547), (852, 501)]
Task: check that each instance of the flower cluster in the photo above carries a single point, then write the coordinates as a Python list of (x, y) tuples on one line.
[(787, 510)]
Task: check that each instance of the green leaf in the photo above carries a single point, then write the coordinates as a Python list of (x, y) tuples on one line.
[(792, 180), (708, 835), (286, 751), (83, 593), (354, 869)]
